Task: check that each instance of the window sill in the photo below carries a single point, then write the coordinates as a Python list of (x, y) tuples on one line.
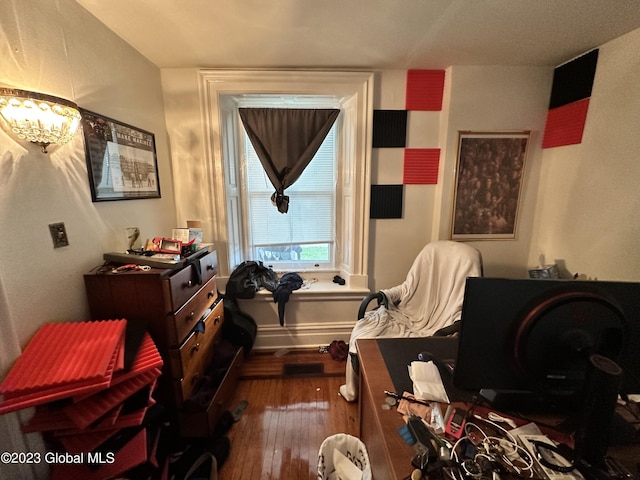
[(314, 288)]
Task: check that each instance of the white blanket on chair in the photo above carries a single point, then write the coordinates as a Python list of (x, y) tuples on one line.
[(429, 299)]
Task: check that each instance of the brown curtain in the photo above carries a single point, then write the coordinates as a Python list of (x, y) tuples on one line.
[(286, 139)]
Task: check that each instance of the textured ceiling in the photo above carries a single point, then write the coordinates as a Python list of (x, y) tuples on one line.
[(372, 34)]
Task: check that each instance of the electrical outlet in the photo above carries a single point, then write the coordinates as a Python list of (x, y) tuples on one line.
[(58, 235)]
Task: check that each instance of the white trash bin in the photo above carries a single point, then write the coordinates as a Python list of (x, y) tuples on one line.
[(343, 457)]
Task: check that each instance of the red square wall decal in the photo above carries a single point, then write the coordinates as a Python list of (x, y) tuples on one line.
[(421, 166), (565, 124), (425, 89)]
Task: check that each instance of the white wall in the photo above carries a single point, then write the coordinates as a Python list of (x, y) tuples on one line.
[(394, 243), (497, 99), (483, 99), (312, 319), (580, 203), (186, 138), (476, 98), (588, 210), (56, 47)]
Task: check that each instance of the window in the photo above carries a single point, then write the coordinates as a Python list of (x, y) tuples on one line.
[(244, 223), (303, 238)]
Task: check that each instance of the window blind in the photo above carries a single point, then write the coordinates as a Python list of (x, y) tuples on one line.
[(311, 217)]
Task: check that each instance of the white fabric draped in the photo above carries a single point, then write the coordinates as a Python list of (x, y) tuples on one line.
[(429, 299)]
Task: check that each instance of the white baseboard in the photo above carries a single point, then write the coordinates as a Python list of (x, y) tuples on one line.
[(302, 336)]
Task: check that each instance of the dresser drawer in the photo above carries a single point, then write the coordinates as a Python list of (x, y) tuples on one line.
[(185, 283), (209, 266), (185, 319), (185, 386), (197, 350), (202, 423), (200, 369)]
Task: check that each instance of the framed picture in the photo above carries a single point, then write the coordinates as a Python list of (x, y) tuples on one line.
[(121, 159), (488, 185)]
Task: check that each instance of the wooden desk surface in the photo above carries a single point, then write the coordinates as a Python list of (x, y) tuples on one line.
[(389, 454)]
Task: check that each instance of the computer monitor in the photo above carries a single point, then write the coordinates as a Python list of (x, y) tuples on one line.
[(532, 338)]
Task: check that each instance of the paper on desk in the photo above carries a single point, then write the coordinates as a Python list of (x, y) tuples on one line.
[(427, 383), (408, 408)]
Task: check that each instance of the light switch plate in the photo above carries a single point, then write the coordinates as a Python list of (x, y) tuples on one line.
[(58, 235)]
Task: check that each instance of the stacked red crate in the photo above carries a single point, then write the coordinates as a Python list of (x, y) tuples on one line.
[(74, 375)]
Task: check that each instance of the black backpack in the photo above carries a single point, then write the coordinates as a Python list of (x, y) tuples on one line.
[(249, 277)]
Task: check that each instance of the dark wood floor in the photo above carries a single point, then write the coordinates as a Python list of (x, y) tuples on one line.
[(287, 417)]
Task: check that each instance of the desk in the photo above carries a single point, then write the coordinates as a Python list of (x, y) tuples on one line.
[(389, 455)]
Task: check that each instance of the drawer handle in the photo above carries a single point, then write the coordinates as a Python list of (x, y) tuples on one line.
[(189, 284), (190, 316), (211, 294), (195, 348), (209, 267), (216, 320)]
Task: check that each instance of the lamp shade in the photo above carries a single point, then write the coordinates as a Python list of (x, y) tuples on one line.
[(39, 118)]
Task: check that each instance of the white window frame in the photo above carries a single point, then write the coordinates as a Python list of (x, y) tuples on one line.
[(353, 92)]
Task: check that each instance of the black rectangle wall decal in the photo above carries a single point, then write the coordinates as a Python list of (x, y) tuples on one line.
[(573, 81), (386, 201), (389, 128)]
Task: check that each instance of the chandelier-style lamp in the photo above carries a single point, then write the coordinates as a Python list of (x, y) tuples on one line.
[(39, 118)]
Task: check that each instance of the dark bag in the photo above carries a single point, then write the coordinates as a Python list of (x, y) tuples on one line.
[(201, 460), (339, 350), (239, 328), (249, 277)]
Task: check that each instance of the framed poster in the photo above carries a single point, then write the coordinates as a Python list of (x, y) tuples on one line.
[(121, 159), (488, 184)]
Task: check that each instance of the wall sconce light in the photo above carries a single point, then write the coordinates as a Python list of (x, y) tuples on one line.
[(39, 118)]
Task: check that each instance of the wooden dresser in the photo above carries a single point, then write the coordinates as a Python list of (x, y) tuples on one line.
[(183, 313)]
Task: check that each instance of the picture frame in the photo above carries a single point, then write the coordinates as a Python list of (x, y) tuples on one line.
[(488, 185), (121, 159)]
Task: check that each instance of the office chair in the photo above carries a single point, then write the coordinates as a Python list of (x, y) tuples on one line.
[(427, 303)]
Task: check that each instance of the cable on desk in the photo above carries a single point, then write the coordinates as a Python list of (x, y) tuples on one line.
[(491, 449), (540, 447)]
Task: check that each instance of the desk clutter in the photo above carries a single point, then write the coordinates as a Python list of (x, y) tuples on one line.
[(467, 436), (471, 441), (156, 258), (92, 397)]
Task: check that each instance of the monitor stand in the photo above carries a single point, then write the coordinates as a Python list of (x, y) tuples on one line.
[(593, 435)]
